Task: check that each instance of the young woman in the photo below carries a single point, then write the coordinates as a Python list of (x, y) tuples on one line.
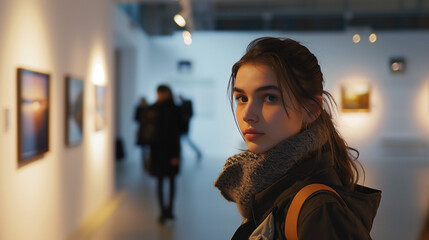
[(292, 142)]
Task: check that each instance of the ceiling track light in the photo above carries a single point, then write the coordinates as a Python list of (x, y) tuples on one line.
[(187, 37), (179, 20), (184, 17), (372, 38), (356, 38)]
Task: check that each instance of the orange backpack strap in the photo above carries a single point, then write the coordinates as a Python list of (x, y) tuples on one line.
[(291, 223)]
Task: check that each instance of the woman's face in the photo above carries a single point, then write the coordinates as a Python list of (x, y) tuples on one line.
[(260, 113)]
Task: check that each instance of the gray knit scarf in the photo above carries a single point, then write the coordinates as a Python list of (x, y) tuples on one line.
[(247, 173)]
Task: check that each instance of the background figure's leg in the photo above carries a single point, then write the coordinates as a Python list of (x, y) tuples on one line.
[(162, 217), (194, 147), (143, 150), (172, 193)]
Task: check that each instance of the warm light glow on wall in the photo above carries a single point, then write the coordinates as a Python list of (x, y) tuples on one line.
[(355, 125), (98, 155), (360, 125), (98, 75), (27, 36), (421, 107), (96, 170), (98, 67)]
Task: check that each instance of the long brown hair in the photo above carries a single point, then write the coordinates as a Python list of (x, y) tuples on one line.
[(299, 74)]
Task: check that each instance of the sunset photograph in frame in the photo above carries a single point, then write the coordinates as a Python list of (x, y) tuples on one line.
[(33, 115), (355, 97)]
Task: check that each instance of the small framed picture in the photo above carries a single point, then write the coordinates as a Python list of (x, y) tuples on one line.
[(355, 97), (184, 66), (74, 110), (33, 115), (100, 107)]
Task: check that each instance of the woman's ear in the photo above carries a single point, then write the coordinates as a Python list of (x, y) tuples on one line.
[(313, 110)]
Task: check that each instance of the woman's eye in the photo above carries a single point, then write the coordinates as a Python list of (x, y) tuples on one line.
[(240, 99), (270, 98)]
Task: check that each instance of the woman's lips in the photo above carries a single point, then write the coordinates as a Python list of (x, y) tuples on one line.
[(251, 134)]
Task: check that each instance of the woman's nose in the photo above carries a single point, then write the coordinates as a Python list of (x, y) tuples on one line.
[(250, 114)]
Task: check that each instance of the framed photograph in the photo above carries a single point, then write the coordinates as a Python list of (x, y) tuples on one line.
[(74, 110), (100, 107), (355, 97), (33, 115), (184, 66)]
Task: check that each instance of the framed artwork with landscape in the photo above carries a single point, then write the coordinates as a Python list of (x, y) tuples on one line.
[(74, 110), (33, 115), (355, 97)]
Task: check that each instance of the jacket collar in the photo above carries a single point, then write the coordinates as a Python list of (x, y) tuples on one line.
[(362, 201), (264, 201)]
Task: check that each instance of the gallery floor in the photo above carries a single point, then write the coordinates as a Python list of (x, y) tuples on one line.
[(201, 213)]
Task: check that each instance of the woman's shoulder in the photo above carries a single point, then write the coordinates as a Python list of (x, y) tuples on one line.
[(326, 217), (325, 213), (359, 200)]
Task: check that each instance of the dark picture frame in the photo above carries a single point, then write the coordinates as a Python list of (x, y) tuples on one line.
[(33, 104), (100, 108), (184, 66), (74, 110)]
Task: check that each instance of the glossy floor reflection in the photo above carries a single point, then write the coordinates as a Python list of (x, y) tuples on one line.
[(201, 213)]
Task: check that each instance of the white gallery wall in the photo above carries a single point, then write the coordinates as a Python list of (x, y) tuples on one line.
[(52, 196), (396, 127), (132, 63)]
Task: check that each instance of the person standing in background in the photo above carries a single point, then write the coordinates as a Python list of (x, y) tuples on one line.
[(165, 147), (187, 113), (138, 116)]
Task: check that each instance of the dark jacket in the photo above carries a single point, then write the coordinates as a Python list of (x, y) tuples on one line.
[(167, 144), (138, 116), (322, 216), (187, 112)]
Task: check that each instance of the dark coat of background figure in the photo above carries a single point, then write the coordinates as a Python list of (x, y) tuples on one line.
[(139, 119), (138, 114), (187, 113), (167, 143)]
